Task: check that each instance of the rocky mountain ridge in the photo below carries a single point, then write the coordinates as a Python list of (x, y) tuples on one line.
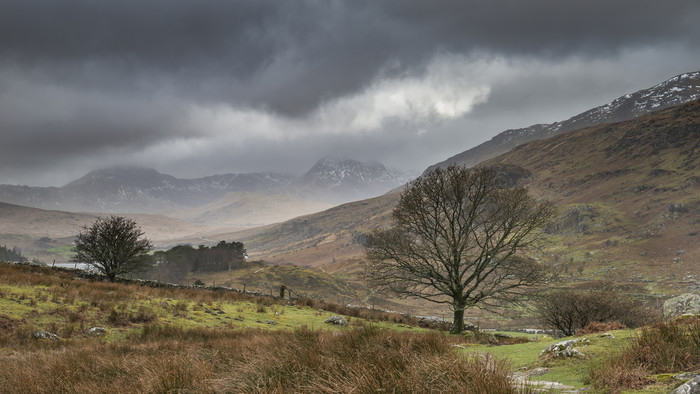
[(344, 180), (675, 91)]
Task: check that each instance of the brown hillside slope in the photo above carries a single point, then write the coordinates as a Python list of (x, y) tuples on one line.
[(324, 237), (629, 195)]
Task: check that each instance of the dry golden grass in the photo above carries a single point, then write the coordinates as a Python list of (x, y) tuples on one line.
[(662, 348), (157, 357), (596, 327), (170, 359)]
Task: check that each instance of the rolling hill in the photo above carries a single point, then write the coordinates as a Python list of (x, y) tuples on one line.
[(250, 209), (48, 234)]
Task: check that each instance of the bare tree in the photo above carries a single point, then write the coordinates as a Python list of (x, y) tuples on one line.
[(114, 246), (454, 241)]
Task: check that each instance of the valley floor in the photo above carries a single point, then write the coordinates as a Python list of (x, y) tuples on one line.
[(197, 340)]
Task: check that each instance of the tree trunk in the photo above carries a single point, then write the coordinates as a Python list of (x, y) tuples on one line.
[(458, 321)]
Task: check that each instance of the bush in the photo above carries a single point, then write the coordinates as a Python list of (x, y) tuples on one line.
[(570, 310)]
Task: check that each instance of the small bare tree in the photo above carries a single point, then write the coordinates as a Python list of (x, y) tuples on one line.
[(454, 240), (114, 246)]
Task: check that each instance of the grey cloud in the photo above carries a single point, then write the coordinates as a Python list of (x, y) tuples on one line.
[(85, 83), (242, 52), (44, 124)]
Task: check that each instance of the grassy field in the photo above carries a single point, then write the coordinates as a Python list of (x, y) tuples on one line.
[(197, 340)]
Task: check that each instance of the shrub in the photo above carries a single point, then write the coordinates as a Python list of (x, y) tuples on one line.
[(569, 310)]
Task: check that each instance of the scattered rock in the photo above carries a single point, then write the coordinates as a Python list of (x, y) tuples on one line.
[(537, 371), (271, 322), (337, 320), (682, 305), (676, 209), (565, 349), (690, 387), (96, 331), (434, 322), (41, 334), (608, 335)]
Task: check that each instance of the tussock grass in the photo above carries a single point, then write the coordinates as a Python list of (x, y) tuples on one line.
[(661, 348), (172, 359), (63, 288), (179, 340)]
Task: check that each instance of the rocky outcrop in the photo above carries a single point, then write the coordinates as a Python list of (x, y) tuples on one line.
[(337, 320), (96, 331), (41, 334), (565, 349), (690, 387), (682, 305), (575, 220)]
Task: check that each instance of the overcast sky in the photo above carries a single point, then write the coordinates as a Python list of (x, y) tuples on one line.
[(202, 87)]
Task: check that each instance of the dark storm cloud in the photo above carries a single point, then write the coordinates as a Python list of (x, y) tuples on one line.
[(288, 56), (210, 86)]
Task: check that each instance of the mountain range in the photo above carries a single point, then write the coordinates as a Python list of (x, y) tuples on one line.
[(145, 190)]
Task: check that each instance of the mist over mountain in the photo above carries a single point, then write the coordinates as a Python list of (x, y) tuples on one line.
[(145, 190), (675, 91)]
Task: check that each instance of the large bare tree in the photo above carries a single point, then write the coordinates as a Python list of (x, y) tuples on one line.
[(457, 239), (114, 246)]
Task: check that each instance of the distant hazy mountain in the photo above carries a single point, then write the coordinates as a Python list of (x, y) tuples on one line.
[(145, 190), (136, 189), (344, 180), (677, 90)]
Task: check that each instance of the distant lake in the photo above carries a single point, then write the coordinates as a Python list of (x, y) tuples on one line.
[(81, 266)]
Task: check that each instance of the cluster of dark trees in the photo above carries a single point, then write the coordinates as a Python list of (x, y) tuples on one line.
[(222, 257), (14, 254), (174, 264)]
